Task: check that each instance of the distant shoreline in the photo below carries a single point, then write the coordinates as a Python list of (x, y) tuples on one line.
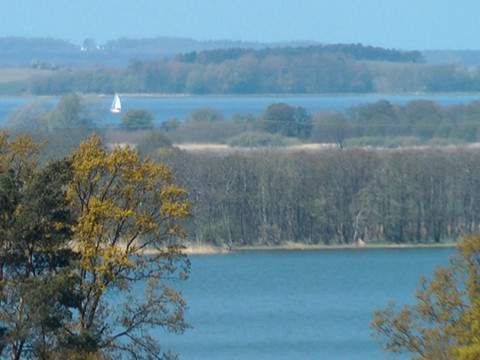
[(274, 95), (230, 95), (205, 249)]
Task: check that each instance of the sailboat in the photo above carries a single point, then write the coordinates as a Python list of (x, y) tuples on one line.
[(116, 105)]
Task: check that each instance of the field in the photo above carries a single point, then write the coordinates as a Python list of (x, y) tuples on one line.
[(8, 75)]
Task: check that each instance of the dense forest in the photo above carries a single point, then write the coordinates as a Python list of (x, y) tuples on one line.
[(331, 196), (311, 69), (353, 51), (419, 119)]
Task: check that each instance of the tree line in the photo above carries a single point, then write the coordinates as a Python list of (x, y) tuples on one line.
[(314, 69), (330, 196), (420, 119), (381, 124), (354, 51)]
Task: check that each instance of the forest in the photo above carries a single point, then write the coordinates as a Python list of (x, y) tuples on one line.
[(309, 69), (332, 196), (354, 51)]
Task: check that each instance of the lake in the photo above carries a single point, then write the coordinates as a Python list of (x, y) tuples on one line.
[(181, 106), (295, 304)]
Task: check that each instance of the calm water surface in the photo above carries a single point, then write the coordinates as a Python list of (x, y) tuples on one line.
[(295, 304), (180, 106)]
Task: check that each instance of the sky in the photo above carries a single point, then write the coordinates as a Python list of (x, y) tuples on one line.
[(403, 24)]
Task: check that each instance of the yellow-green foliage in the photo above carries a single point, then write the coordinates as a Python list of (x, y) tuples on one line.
[(18, 154), (467, 332), (121, 200), (444, 323), (78, 230)]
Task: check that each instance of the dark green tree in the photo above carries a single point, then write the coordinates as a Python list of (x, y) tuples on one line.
[(70, 113), (287, 120), (170, 124), (35, 229), (329, 128), (137, 119), (57, 278), (205, 115)]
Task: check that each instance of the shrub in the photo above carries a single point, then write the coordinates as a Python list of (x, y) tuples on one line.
[(137, 119), (287, 120), (170, 124), (152, 142), (206, 115)]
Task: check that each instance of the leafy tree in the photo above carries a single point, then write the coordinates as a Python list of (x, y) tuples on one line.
[(61, 128), (70, 113), (28, 117), (79, 234), (287, 120), (35, 228), (170, 124), (443, 324), (137, 119), (128, 212), (206, 115), (66, 125)]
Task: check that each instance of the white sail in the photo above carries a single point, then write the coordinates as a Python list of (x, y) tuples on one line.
[(116, 105)]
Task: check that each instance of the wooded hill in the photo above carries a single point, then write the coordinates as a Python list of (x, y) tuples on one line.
[(24, 52), (166, 65), (309, 69)]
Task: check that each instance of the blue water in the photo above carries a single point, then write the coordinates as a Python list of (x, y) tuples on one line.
[(295, 304), (180, 107)]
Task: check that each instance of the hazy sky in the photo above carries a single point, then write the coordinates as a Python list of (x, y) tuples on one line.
[(407, 24)]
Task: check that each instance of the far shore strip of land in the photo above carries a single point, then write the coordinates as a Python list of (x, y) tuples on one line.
[(204, 249)]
